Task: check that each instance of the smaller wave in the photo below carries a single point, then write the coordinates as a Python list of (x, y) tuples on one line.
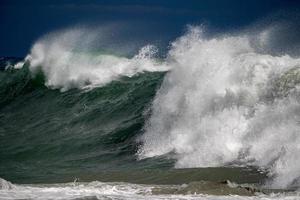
[(68, 64)]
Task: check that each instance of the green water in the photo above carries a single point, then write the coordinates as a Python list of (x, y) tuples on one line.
[(48, 136)]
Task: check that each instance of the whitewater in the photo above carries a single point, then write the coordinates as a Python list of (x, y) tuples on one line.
[(225, 104), (211, 103), (101, 190)]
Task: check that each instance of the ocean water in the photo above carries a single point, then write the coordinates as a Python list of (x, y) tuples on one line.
[(215, 118)]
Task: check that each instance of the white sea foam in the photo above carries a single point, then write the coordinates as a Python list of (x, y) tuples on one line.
[(66, 60), (224, 103), (100, 190)]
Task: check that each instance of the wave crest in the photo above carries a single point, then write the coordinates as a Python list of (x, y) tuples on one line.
[(66, 60)]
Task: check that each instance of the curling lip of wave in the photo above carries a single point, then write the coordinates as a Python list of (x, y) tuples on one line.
[(223, 103), (66, 63)]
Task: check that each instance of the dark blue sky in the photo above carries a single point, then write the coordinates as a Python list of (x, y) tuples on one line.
[(24, 21)]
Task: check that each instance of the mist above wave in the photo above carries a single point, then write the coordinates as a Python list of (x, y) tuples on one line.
[(226, 103), (69, 59)]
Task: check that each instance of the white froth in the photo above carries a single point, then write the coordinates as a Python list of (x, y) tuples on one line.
[(224, 103), (100, 190)]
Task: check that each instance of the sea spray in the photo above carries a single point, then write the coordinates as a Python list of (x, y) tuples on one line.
[(224, 104)]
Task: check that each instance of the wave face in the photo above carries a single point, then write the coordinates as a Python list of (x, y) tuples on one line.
[(225, 104), (50, 136)]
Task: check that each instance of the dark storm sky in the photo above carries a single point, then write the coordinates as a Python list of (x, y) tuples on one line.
[(24, 21)]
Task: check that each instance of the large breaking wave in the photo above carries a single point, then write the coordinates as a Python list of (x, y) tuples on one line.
[(224, 101)]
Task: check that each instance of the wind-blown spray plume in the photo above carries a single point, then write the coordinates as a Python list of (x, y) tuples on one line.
[(225, 104)]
